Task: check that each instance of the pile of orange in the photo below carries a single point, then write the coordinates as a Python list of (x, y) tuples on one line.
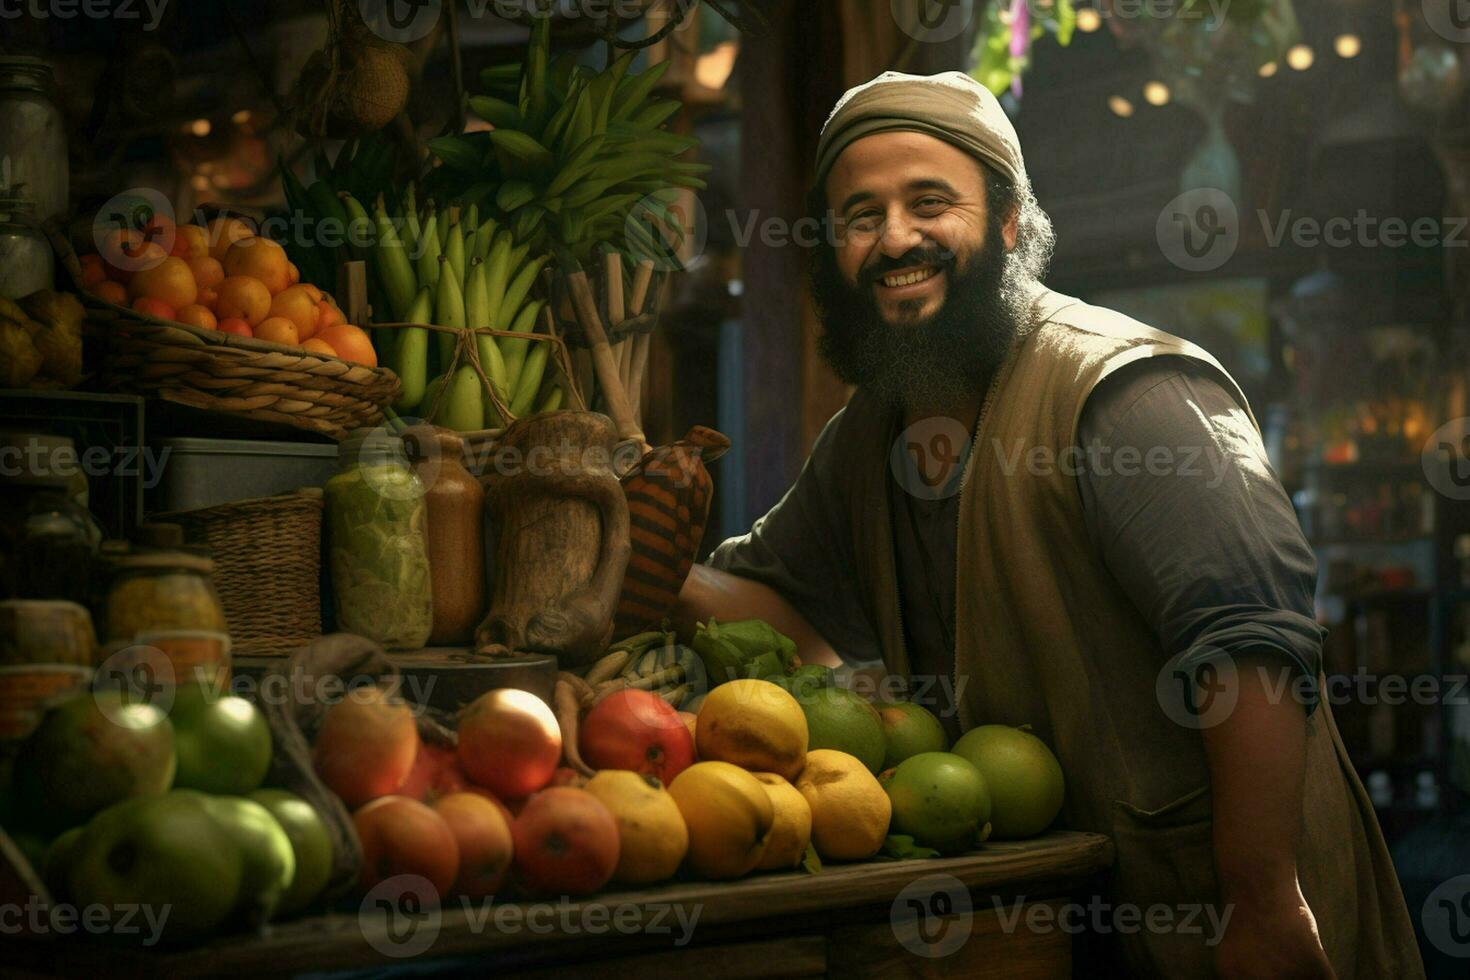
[(222, 276)]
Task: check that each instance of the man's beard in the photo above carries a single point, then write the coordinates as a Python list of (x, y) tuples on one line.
[(930, 363)]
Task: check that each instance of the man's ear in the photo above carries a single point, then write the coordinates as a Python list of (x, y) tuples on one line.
[(1011, 228)]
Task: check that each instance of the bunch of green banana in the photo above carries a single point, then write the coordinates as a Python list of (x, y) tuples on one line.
[(572, 152), (449, 269), (652, 661), (324, 232)]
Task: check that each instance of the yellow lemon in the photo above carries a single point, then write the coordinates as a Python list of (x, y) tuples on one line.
[(850, 810), (729, 817), (792, 829), (651, 833), (755, 725)]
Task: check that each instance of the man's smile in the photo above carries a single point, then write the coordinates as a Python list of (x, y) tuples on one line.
[(908, 283)]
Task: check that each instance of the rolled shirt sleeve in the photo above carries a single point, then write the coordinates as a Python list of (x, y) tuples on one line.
[(801, 549), (1183, 506)]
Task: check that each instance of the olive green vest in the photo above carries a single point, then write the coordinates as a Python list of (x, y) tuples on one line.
[(1046, 637)]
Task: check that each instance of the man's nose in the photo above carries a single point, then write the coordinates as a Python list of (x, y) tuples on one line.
[(900, 235)]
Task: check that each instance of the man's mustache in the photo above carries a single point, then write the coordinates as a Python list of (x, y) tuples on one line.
[(935, 255)]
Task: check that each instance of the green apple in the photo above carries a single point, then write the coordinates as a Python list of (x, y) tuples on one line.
[(310, 843), (91, 751), (223, 743), (268, 861), (165, 853)]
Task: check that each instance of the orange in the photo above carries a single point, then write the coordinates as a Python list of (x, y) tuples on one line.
[(295, 304), (196, 239), (153, 307), (93, 270), (318, 346), (207, 271), (277, 329), (169, 280), (198, 316), (243, 297), (223, 232), (124, 252), (316, 294), (330, 315), (261, 258), (236, 326), (351, 343), (293, 273), (111, 292), (161, 229)]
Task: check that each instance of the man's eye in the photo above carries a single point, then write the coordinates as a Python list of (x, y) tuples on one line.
[(866, 221), (931, 203)]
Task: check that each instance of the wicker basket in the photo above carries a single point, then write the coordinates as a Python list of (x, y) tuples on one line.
[(223, 372), (267, 555)]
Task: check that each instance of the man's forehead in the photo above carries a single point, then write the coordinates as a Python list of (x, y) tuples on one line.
[(901, 157)]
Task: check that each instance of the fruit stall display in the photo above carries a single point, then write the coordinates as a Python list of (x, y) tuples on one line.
[(772, 767)]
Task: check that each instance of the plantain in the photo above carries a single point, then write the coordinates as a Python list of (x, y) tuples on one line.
[(608, 667)]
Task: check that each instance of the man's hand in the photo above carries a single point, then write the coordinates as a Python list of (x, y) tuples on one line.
[(1257, 759), (1271, 936)]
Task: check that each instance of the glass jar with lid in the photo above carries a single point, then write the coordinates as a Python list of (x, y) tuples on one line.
[(25, 255), (161, 603), (32, 136), (377, 544), (48, 541)]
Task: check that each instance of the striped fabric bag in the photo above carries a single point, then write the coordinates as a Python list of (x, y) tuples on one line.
[(668, 493)]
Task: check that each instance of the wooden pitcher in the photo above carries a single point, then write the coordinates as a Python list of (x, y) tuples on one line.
[(561, 538)]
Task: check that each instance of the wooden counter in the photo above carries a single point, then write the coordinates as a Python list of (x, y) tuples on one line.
[(849, 920)]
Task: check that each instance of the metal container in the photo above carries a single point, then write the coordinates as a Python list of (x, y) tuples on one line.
[(199, 473), (32, 136), (25, 255)]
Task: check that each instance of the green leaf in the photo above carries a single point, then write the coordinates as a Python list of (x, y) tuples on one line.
[(810, 862), (901, 847)]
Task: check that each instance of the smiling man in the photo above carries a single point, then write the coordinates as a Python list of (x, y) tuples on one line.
[(1068, 520)]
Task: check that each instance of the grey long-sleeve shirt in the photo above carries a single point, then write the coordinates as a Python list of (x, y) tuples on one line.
[(1200, 535)]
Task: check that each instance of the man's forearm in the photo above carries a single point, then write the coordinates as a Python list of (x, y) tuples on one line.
[(1257, 762), (710, 592)]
